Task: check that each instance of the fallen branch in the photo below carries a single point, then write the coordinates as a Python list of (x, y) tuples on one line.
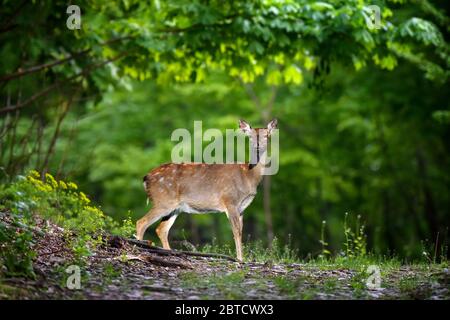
[(155, 260), (145, 245)]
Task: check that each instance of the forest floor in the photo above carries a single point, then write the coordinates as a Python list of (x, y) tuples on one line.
[(121, 270)]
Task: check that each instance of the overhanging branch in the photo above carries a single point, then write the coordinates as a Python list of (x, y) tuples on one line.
[(34, 69), (58, 83)]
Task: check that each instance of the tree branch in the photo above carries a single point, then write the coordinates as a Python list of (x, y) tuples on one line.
[(34, 69), (52, 64), (52, 144), (58, 83)]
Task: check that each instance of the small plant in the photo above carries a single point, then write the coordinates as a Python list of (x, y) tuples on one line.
[(126, 229), (324, 252), (110, 272), (354, 245), (355, 239), (330, 285), (408, 284), (286, 286)]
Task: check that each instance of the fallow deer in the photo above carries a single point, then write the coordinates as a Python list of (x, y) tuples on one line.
[(203, 188)]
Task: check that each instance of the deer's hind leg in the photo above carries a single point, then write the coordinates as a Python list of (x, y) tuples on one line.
[(163, 229), (155, 213)]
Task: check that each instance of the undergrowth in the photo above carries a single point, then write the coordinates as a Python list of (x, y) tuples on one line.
[(58, 201)]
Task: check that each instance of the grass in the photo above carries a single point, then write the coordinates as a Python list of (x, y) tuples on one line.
[(256, 251), (318, 274), (110, 272), (408, 284), (11, 292), (330, 285), (228, 285), (287, 286), (277, 253), (354, 254), (297, 288)]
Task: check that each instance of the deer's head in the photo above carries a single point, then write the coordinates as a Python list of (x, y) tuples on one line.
[(259, 138)]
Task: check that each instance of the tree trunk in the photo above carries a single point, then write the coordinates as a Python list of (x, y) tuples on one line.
[(388, 232), (193, 230), (267, 210), (429, 206)]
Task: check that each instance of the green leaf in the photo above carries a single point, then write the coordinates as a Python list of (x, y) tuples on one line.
[(293, 74)]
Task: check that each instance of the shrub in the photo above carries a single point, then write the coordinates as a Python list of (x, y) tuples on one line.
[(16, 255), (57, 201)]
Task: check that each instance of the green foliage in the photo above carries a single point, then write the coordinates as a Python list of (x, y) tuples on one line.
[(355, 239), (16, 254), (354, 245), (57, 201), (177, 41)]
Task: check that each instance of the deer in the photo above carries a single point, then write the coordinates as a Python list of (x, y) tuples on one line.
[(174, 188)]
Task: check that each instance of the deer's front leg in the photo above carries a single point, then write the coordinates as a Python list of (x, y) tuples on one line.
[(236, 226)]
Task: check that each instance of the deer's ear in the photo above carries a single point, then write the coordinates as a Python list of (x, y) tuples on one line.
[(245, 127), (272, 125)]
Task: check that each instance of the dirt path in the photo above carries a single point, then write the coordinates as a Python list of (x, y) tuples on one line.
[(114, 272)]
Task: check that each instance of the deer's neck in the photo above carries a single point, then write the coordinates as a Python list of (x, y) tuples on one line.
[(256, 169)]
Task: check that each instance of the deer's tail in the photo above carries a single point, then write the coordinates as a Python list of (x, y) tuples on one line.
[(146, 186), (145, 181)]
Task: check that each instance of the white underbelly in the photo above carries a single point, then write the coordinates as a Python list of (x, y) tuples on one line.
[(184, 207)]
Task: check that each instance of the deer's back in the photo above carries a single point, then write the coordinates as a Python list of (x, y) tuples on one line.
[(198, 186)]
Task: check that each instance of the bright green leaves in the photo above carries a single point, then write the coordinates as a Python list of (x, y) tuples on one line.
[(358, 63), (293, 74), (422, 31), (364, 37), (421, 42), (388, 62), (321, 6), (178, 41), (274, 77), (247, 38)]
